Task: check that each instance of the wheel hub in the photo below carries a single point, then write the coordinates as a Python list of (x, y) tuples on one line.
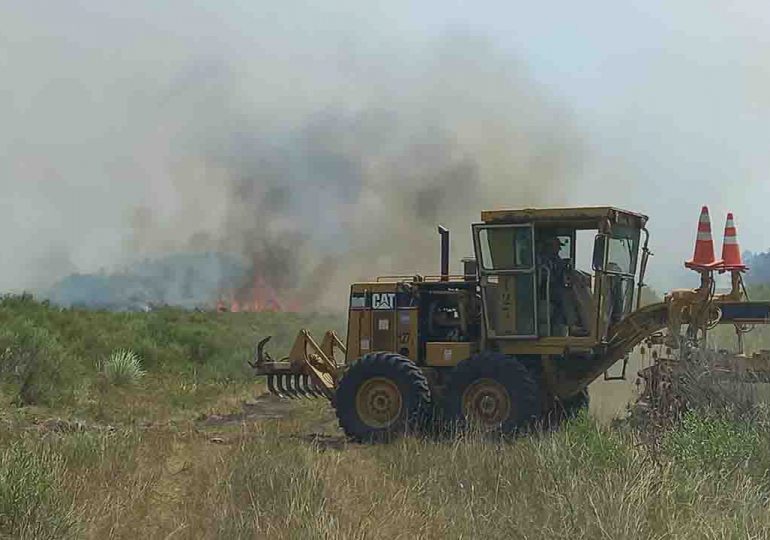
[(378, 402), (487, 403)]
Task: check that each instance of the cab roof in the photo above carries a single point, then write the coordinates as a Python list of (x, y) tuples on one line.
[(585, 217)]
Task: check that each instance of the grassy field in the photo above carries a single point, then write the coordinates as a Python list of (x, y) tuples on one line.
[(193, 449)]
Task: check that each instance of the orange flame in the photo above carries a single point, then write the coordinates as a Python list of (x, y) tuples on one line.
[(258, 296)]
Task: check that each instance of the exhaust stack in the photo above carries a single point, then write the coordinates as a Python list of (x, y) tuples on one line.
[(444, 232)]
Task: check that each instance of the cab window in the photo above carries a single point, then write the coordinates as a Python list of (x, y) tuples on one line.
[(622, 250), (506, 248), (506, 254)]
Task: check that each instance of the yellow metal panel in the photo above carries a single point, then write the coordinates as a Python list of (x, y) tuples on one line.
[(448, 353), (383, 330), (359, 340), (506, 306), (351, 342), (407, 332), (550, 345)]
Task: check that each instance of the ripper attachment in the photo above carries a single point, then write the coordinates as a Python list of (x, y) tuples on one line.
[(308, 371)]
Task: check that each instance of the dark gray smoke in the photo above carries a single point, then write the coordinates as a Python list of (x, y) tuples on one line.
[(351, 190), (319, 149)]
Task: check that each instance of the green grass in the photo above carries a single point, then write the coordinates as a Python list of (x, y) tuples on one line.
[(713, 442), (47, 354), (33, 503)]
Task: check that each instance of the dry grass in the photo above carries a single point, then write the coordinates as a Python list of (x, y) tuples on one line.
[(296, 478)]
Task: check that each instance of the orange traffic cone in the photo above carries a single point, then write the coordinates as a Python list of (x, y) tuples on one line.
[(704, 258), (731, 252)]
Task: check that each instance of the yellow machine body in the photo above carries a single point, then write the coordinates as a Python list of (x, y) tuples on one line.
[(523, 296)]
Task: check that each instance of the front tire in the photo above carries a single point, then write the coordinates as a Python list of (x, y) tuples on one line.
[(380, 395), (493, 392)]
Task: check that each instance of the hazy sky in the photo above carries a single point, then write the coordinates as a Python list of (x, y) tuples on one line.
[(103, 107)]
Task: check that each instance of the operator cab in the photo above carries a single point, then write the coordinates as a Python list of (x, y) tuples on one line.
[(531, 286)]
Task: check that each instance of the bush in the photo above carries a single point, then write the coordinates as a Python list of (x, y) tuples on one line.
[(34, 363), (123, 367)]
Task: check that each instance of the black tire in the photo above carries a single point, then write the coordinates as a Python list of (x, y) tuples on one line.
[(508, 374), (394, 373)]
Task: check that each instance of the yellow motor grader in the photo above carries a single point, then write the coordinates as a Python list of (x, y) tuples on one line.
[(516, 338)]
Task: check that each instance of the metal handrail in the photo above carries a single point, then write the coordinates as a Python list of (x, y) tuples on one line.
[(429, 278)]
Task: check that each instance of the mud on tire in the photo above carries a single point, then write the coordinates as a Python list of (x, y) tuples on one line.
[(494, 391), (380, 395)]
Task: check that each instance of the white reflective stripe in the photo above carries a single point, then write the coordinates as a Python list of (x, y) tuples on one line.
[(704, 218), (731, 240), (730, 223), (704, 236)]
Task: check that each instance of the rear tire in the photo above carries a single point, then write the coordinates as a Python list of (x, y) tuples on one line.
[(380, 395), (493, 392)]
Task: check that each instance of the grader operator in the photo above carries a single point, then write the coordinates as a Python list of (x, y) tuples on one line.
[(519, 335)]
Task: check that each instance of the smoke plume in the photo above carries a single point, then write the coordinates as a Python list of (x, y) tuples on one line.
[(354, 186), (322, 146), (319, 155)]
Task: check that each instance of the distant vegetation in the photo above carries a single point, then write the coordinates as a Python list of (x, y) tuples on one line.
[(196, 280), (186, 280), (759, 267), (52, 356)]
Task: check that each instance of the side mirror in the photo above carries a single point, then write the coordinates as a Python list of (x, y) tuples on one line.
[(600, 246)]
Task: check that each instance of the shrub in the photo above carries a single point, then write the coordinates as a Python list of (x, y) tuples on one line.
[(32, 360), (123, 367)]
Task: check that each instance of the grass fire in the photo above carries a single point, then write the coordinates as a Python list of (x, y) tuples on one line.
[(254, 297)]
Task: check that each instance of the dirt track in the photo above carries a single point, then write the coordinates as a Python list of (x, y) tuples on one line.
[(263, 407)]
